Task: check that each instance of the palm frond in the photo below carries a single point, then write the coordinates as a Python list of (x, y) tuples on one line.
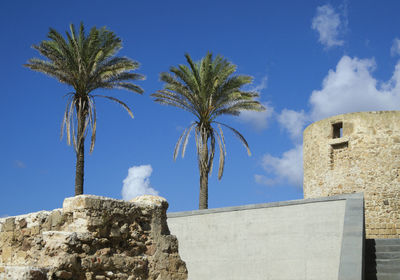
[(117, 101), (211, 153), (239, 135), (198, 145), (221, 133), (65, 118), (49, 69), (186, 138), (93, 123), (70, 125), (178, 144), (235, 108), (167, 97), (222, 153), (194, 70)]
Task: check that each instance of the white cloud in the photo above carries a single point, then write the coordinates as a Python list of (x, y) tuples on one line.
[(328, 24), (288, 168), (350, 87), (259, 120), (294, 122), (138, 182), (395, 49)]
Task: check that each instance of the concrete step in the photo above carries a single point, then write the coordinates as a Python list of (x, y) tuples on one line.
[(382, 276), (379, 242), (371, 259), (382, 259), (390, 267), (387, 255), (387, 248), (388, 261)]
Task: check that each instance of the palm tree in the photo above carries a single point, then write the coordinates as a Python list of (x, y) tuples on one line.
[(207, 89), (86, 62)]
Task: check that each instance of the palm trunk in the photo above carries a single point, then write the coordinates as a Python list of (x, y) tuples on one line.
[(80, 156), (204, 171), (203, 199)]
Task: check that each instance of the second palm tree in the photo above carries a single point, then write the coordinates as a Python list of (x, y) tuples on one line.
[(207, 89)]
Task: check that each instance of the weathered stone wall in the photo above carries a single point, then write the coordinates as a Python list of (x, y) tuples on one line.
[(92, 238), (366, 158)]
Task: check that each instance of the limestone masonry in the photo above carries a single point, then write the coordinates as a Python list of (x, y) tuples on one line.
[(357, 152), (92, 238)]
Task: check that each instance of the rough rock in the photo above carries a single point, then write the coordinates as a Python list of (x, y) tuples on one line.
[(92, 237)]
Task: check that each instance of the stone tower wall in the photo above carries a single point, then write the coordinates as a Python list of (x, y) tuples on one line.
[(358, 152)]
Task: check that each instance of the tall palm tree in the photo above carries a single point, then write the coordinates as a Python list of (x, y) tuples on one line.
[(86, 62), (207, 89)]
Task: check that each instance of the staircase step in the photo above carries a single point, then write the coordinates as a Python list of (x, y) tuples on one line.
[(388, 261), (388, 248), (387, 255), (382, 259), (387, 267), (382, 276), (379, 242)]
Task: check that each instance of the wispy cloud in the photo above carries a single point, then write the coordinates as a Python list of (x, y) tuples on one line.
[(19, 164), (293, 122), (138, 182), (395, 49), (262, 85), (327, 22), (288, 168)]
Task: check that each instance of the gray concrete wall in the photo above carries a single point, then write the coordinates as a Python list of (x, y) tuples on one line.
[(286, 240)]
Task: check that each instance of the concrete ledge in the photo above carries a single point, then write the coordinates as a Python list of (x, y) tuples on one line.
[(351, 257), (263, 205)]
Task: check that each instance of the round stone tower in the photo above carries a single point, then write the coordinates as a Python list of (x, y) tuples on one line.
[(357, 152)]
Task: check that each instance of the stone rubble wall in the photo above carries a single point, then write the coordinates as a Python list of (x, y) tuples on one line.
[(92, 238), (365, 159)]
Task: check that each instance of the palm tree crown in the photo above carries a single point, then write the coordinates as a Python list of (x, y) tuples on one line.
[(207, 89), (86, 62)]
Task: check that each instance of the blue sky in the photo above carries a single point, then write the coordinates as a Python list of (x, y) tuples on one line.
[(309, 60)]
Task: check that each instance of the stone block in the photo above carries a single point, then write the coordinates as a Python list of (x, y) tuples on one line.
[(150, 201), (9, 224), (92, 237), (7, 253)]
